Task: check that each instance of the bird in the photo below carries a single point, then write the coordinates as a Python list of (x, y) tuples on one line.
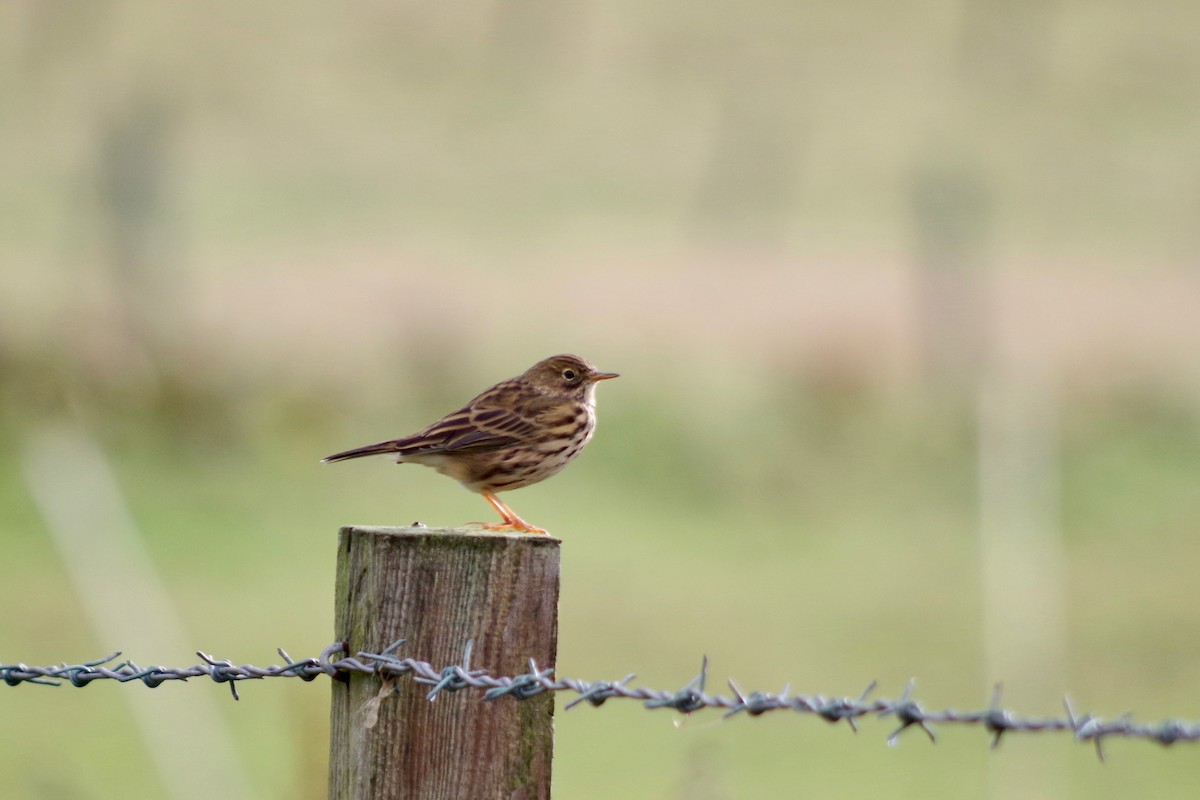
[(517, 433)]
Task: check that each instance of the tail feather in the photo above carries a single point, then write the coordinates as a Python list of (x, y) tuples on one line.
[(366, 450)]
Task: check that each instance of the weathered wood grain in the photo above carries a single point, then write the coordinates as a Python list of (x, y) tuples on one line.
[(437, 588)]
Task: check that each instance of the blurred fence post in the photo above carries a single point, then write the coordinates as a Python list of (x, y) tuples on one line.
[(438, 588)]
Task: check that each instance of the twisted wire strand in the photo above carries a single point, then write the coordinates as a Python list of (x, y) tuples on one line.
[(690, 698)]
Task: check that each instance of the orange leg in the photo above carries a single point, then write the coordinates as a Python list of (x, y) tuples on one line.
[(511, 521)]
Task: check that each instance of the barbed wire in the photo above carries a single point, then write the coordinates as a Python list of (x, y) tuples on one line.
[(997, 721)]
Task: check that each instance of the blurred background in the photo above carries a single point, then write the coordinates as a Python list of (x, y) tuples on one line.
[(904, 298)]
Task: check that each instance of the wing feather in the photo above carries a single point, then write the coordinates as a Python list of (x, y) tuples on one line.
[(469, 429), (496, 419)]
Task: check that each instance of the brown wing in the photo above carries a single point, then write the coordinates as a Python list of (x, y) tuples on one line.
[(475, 427), (502, 416), (468, 429)]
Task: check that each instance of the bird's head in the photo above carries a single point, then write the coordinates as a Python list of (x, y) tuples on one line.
[(566, 374)]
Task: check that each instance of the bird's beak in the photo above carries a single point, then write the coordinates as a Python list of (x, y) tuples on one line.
[(602, 376)]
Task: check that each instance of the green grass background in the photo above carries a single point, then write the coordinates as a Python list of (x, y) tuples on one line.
[(235, 237)]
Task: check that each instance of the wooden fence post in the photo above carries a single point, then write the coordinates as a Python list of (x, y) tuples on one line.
[(437, 588)]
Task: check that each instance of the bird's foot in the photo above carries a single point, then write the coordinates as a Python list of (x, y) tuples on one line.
[(511, 521), (517, 524)]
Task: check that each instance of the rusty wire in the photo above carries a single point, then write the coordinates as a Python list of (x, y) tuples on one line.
[(997, 721)]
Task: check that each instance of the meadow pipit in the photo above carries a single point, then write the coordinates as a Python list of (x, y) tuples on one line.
[(519, 432)]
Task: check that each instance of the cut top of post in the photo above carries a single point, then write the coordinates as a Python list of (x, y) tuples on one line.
[(419, 531)]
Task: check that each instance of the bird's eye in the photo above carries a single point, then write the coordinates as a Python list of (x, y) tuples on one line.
[(568, 374)]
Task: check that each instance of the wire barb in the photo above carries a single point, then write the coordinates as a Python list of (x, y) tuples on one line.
[(336, 662)]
